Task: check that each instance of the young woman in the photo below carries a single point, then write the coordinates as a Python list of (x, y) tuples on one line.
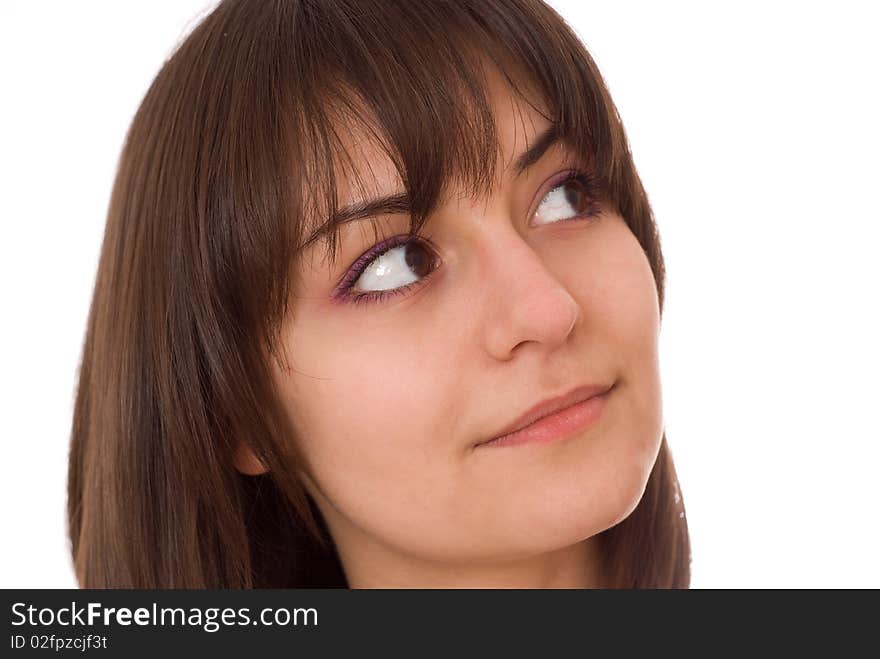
[(378, 306)]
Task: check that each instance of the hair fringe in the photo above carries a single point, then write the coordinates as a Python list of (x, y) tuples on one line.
[(227, 172)]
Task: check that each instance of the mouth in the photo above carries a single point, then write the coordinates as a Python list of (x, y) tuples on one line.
[(554, 418)]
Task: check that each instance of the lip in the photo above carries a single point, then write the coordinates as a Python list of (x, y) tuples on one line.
[(555, 417)]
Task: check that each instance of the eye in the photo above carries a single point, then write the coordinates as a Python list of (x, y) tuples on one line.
[(397, 264), (574, 197), (389, 268)]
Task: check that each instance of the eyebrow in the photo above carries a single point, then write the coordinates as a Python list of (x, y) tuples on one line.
[(534, 153), (399, 202)]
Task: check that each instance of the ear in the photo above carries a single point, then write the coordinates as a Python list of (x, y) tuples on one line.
[(247, 462)]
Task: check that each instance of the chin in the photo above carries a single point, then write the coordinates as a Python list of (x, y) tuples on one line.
[(604, 501), (627, 490)]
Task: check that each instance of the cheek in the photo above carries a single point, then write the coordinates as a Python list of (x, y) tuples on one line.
[(618, 295), (344, 383), (618, 292), (621, 317), (358, 400), (638, 338)]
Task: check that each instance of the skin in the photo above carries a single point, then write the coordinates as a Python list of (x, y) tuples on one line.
[(390, 397)]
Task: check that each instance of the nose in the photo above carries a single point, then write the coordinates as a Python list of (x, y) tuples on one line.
[(527, 304)]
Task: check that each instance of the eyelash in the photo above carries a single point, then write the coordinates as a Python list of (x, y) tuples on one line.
[(358, 267), (586, 179)]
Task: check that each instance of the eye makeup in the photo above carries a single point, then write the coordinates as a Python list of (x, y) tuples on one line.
[(579, 181), (345, 292), (582, 183)]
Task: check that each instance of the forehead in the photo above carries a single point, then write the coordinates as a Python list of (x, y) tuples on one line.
[(463, 149), (366, 167)]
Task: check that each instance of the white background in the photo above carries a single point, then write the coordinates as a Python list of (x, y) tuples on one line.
[(754, 127)]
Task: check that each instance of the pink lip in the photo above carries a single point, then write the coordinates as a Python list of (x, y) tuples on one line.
[(555, 418)]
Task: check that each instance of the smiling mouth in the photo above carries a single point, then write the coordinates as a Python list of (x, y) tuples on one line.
[(555, 419)]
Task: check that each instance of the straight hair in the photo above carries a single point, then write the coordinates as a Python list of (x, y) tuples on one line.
[(227, 173)]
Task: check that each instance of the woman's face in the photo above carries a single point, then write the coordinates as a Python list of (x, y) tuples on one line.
[(509, 306)]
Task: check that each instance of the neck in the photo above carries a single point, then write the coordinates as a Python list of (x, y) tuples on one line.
[(575, 566)]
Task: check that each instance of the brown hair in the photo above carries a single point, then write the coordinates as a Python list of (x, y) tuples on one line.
[(227, 172)]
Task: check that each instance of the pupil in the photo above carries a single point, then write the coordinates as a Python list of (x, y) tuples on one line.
[(572, 197), (417, 259)]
